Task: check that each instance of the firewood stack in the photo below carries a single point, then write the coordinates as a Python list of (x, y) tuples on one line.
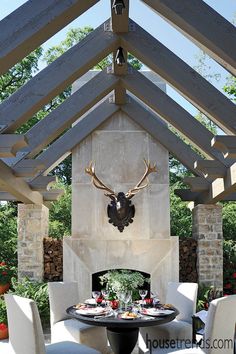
[(188, 260), (53, 259)]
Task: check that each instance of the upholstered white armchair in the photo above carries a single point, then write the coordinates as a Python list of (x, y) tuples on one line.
[(183, 296), (26, 334), (219, 330), (61, 296)]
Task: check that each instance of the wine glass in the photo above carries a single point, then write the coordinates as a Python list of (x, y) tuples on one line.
[(143, 294), (127, 297), (96, 295), (105, 294)]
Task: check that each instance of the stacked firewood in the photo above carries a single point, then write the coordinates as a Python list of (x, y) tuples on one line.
[(53, 259), (188, 260)]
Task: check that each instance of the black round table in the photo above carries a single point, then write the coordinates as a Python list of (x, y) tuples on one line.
[(121, 333)]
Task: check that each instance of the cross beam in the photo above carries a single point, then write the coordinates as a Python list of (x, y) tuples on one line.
[(55, 78), (18, 37), (203, 25), (182, 77)]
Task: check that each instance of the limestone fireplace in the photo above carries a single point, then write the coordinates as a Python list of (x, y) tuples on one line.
[(118, 146)]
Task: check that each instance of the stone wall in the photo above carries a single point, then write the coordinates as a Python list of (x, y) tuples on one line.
[(32, 228), (207, 230)]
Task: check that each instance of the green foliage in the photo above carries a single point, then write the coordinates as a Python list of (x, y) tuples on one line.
[(3, 311), (19, 74), (180, 214), (230, 88), (38, 292), (229, 252), (229, 224), (60, 214), (122, 279), (8, 233)]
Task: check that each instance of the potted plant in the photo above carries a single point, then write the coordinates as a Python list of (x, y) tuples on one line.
[(6, 273), (121, 280), (3, 320)]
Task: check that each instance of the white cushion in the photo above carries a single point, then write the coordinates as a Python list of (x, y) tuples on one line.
[(172, 330), (69, 348), (183, 296), (76, 331)]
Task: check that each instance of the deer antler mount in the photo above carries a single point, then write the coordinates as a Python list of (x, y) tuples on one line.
[(121, 211)]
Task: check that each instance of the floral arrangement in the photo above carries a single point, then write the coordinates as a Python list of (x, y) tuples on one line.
[(6, 273), (120, 280)]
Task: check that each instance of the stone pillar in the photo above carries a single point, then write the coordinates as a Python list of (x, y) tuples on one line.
[(32, 228), (207, 230)]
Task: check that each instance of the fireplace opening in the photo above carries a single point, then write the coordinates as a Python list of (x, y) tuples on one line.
[(96, 285)]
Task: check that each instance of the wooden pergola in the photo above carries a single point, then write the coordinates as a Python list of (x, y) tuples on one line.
[(33, 155)]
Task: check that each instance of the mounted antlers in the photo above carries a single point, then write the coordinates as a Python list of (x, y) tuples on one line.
[(97, 182), (120, 211), (131, 192)]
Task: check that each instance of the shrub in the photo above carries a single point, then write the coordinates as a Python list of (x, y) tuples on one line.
[(36, 291), (3, 311)]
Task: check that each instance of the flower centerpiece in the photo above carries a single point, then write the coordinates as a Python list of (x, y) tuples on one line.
[(3, 320), (121, 280), (6, 273)]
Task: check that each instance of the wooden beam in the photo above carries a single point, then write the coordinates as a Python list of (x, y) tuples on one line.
[(11, 143), (42, 183), (18, 37), (7, 197), (52, 195), (28, 168), (55, 78), (210, 168), (49, 128), (120, 23), (225, 144), (63, 146), (173, 113), (186, 194), (203, 25), (17, 186), (197, 184), (149, 121), (182, 77)]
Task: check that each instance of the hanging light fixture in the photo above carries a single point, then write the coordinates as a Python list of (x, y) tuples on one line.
[(119, 58), (118, 6)]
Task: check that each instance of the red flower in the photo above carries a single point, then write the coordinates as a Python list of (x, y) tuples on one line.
[(3, 326), (228, 286), (2, 264), (234, 275), (4, 273)]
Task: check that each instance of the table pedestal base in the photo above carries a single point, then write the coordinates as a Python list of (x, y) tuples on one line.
[(122, 340)]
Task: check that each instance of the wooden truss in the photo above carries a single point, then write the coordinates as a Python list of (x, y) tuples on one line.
[(25, 160)]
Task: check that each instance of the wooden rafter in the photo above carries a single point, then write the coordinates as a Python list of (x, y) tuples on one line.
[(55, 78), (62, 147), (225, 144), (203, 25), (182, 77), (17, 35), (169, 110), (11, 143), (49, 128), (160, 131)]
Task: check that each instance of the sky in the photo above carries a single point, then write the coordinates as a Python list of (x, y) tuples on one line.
[(152, 23)]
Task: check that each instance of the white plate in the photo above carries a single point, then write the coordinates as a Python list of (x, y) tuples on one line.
[(92, 311), (157, 312), (90, 302)]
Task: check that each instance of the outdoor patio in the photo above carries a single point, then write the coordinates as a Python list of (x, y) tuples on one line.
[(106, 173)]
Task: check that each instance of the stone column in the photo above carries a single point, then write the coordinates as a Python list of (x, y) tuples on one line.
[(32, 228), (207, 230)]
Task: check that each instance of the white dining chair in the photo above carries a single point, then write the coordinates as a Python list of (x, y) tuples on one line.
[(26, 334), (61, 296), (184, 297), (219, 332)]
